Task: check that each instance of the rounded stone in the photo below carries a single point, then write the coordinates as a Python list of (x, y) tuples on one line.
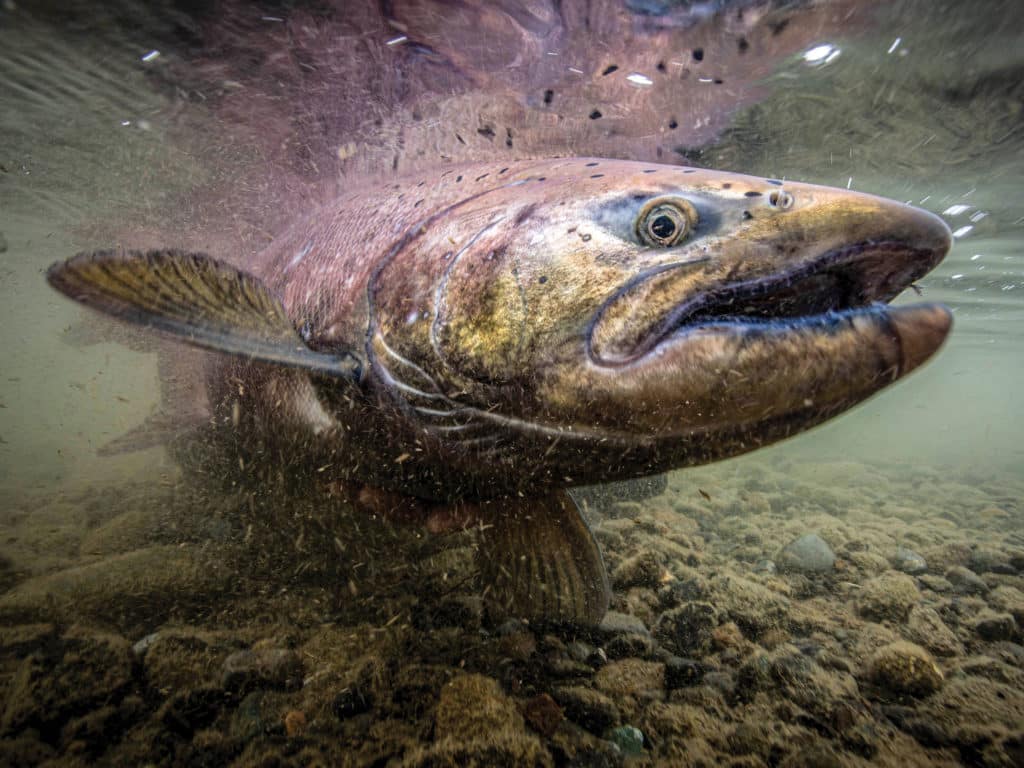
[(889, 596), (965, 581), (474, 704), (925, 627), (905, 669), (688, 628), (587, 708), (808, 554), (994, 627), (908, 561), (628, 738)]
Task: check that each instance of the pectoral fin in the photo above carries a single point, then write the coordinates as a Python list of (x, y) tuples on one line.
[(539, 561), (197, 299)]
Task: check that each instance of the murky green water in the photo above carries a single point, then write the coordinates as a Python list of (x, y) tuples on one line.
[(208, 128)]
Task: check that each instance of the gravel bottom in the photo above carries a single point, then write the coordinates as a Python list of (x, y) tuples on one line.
[(826, 614)]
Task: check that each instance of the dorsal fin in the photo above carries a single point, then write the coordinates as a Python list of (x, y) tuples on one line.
[(199, 300)]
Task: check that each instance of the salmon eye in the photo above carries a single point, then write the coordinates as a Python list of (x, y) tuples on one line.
[(665, 223)]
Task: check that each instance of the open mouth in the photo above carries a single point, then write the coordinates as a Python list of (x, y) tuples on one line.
[(837, 282), (848, 278)]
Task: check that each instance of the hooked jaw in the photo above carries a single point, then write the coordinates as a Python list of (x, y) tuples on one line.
[(788, 320)]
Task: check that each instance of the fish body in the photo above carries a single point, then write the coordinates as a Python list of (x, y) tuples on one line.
[(499, 333)]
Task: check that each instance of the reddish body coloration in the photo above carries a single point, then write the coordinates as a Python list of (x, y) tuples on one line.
[(495, 334), (495, 362)]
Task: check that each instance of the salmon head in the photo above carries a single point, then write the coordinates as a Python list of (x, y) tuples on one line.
[(602, 319)]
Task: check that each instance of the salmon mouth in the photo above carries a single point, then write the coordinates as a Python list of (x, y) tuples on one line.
[(848, 278), (862, 277)]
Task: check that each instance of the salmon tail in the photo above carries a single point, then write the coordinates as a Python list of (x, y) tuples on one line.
[(197, 300)]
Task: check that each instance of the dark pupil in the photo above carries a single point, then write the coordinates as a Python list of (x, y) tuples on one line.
[(663, 227)]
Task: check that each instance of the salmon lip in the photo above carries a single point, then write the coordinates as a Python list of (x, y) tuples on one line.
[(839, 282)]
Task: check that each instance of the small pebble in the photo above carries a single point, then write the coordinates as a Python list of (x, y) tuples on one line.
[(588, 708), (544, 714), (808, 554), (642, 570), (628, 738), (597, 659), (683, 673), (265, 667), (140, 647), (579, 650), (934, 583), (247, 721), (624, 646), (350, 702), (616, 623), (908, 561), (294, 723), (687, 628)]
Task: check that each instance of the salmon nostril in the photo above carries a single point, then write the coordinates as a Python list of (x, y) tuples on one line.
[(778, 199)]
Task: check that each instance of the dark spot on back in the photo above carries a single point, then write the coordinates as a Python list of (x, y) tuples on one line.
[(597, 176), (672, 124), (779, 26), (542, 279), (689, 170), (461, 140), (502, 171), (548, 96), (743, 45), (698, 54), (482, 176), (651, 170), (776, 182), (609, 69), (747, 216), (752, 193), (421, 184), (726, 185), (591, 165), (458, 178), (718, 81), (418, 203), (524, 213), (508, 137), (487, 132), (661, 67), (595, 114), (542, 178)]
